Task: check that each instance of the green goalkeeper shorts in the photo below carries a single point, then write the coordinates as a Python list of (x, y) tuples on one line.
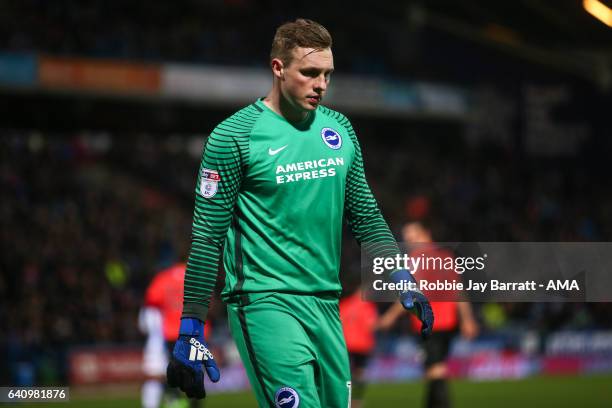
[(293, 349)]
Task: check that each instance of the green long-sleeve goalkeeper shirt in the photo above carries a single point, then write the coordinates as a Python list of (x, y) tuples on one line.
[(273, 194)]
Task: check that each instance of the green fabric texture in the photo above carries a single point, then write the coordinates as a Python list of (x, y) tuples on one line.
[(293, 341)]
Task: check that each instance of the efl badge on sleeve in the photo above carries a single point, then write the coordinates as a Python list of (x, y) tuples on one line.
[(209, 181)]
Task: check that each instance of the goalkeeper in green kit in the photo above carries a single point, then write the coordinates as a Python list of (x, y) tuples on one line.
[(275, 182)]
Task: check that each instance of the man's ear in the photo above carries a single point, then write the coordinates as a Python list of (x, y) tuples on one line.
[(277, 68)]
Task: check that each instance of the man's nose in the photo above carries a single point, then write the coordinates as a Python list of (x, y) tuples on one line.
[(321, 83)]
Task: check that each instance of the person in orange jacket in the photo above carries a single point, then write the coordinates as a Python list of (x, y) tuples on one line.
[(159, 319), (359, 318)]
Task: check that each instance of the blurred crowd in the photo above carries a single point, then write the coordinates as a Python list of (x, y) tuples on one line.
[(220, 32), (227, 32), (79, 242), (87, 219)]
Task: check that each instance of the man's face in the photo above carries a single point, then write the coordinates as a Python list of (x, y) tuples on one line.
[(304, 81), (415, 233)]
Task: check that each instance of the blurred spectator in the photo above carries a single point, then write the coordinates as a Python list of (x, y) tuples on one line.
[(358, 324), (159, 319), (450, 314)]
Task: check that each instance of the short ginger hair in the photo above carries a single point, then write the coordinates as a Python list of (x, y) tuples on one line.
[(299, 33)]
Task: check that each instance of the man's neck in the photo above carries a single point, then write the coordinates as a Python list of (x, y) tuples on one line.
[(278, 104)]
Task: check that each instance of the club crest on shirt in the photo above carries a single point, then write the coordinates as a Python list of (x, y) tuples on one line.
[(286, 397), (332, 139), (209, 181)]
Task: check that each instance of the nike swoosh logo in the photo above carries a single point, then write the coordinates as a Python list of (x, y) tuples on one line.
[(273, 152)]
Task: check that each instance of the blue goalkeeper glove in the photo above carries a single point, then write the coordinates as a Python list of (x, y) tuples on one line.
[(189, 360), (415, 302)]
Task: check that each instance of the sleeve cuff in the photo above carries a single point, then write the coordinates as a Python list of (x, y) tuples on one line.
[(195, 311)]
